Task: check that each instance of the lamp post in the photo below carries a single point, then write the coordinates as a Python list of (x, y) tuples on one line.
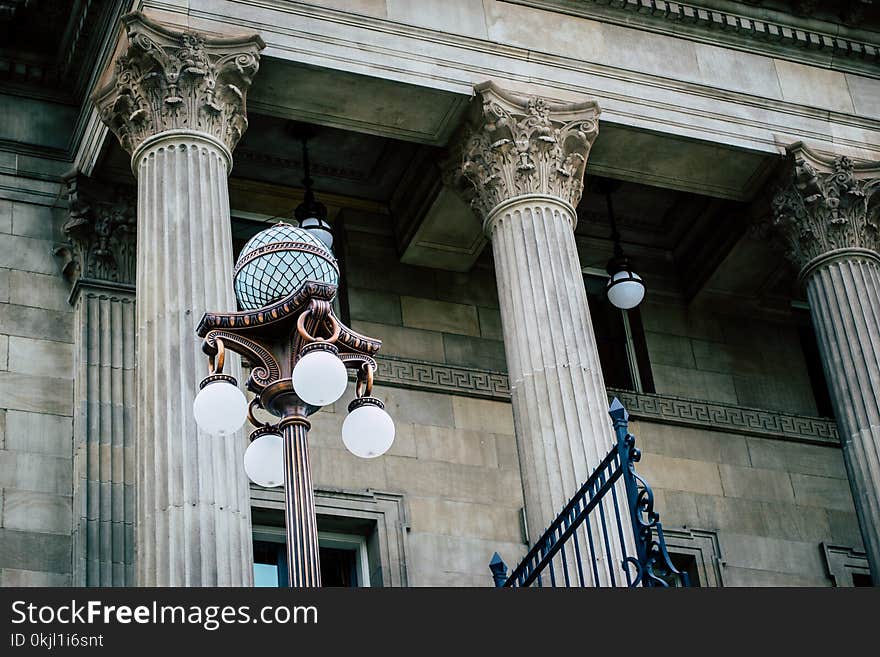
[(285, 280)]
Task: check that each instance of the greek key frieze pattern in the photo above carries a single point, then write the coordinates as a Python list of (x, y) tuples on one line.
[(724, 417), (443, 378), (435, 377)]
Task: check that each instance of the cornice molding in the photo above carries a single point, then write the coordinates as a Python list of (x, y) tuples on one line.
[(724, 27), (417, 63), (664, 409)]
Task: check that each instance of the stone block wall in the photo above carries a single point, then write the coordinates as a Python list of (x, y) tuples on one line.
[(453, 318), (36, 391), (454, 461), (420, 313), (771, 502), (727, 358)]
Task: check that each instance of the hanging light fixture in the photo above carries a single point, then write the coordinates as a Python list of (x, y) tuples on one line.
[(311, 213), (625, 289)]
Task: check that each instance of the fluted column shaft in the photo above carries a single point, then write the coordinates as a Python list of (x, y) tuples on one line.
[(104, 390), (844, 296), (193, 508), (826, 213), (521, 166), (560, 405), (176, 101)]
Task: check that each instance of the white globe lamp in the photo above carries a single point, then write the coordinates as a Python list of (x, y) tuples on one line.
[(319, 377), (368, 431), (220, 408), (625, 289), (264, 459)]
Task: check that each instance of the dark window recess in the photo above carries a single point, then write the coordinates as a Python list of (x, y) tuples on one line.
[(611, 342), (683, 563), (338, 566), (621, 352), (814, 370), (861, 579)]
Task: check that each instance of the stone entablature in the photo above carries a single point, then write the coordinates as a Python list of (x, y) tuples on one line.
[(171, 80), (735, 29), (472, 382), (827, 205), (519, 145), (101, 232)]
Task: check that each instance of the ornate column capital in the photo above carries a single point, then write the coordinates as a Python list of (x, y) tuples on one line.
[(827, 206), (100, 233), (166, 79), (514, 145)]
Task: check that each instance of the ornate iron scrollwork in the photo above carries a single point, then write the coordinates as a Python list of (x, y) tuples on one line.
[(652, 564)]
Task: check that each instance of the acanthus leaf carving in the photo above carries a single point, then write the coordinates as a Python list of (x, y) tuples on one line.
[(173, 80), (100, 232), (827, 204), (520, 145)]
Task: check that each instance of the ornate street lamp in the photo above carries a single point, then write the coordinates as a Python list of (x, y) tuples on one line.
[(625, 289), (285, 280)]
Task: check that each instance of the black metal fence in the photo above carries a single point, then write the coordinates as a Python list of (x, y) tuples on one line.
[(593, 542)]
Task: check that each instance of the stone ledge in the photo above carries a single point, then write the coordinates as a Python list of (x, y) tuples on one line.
[(437, 377)]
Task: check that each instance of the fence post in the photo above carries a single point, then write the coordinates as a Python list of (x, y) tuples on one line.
[(499, 570), (647, 530), (628, 455)]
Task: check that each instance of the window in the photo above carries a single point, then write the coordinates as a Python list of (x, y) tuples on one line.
[(344, 561), (361, 536), (683, 563), (846, 566), (620, 339), (697, 553)]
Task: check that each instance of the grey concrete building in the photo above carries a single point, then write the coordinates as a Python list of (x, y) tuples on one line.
[(466, 151)]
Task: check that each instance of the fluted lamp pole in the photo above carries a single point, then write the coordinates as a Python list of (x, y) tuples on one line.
[(285, 280)]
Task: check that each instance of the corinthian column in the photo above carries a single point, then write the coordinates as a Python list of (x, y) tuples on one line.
[(524, 159), (176, 102), (98, 260), (827, 213)]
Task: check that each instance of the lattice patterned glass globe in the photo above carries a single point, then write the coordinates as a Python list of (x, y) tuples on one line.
[(277, 261)]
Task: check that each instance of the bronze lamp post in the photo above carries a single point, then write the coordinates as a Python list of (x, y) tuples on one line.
[(285, 280)]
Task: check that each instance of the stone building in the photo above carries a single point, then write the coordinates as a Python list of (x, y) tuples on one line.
[(734, 145)]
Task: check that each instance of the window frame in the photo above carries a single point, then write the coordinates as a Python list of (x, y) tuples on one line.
[(387, 513), (338, 540)]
